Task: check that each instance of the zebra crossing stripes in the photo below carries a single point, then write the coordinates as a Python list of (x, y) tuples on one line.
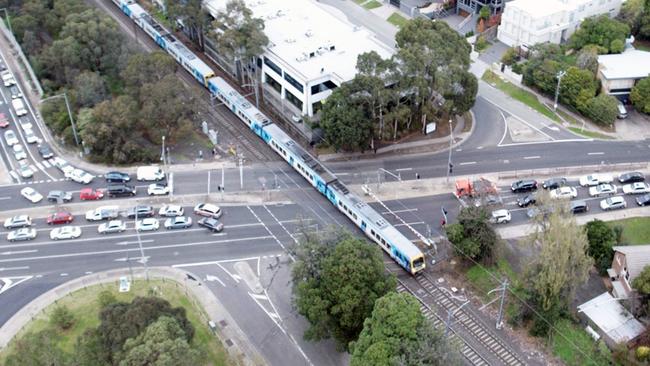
[(46, 164)]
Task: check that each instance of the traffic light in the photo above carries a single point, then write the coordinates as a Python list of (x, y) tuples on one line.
[(451, 168)]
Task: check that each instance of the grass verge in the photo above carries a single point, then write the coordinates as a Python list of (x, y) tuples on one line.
[(591, 134), (85, 307), (483, 282), (372, 4), (573, 336), (519, 94), (636, 230), (397, 20)]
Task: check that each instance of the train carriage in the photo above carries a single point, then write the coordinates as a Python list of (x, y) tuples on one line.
[(190, 62), (156, 31), (134, 11)]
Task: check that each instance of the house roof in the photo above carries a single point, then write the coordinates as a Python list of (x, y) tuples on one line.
[(631, 64), (539, 9), (636, 258), (612, 318)]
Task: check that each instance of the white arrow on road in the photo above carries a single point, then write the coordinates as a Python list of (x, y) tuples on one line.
[(134, 242), (210, 278), (20, 252), (131, 259), (9, 282)]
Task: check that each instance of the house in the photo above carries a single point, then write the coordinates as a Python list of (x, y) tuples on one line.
[(618, 73), (628, 263), (608, 319), (466, 7), (528, 22)]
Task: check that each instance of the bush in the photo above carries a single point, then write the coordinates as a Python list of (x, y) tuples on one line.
[(106, 298), (481, 44), (617, 46), (518, 68), (509, 57), (602, 109), (62, 317), (640, 96), (642, 353)]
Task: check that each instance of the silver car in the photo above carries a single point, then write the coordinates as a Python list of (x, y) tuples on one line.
[(19, 152), (22, 234), (113, 226)]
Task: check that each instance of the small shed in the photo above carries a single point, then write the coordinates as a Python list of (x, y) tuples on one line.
[(610, 319)]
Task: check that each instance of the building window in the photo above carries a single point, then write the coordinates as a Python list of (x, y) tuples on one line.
[(328, 85), (274, 84), (272, 66), (293, 100), (293, 82), (316, 107)]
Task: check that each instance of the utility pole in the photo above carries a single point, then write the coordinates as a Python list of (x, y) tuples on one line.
[(8, 20), (451, 141), (142, 257), (241, 173), (450, 314), (504, 290), (559, 76), (67, 105)]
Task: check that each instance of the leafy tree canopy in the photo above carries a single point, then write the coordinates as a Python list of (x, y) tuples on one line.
[(640, 95), (601, 31), (601, 240), (473, 236), (642, 282)]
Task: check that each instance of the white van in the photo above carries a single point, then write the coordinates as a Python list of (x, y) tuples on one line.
[(19, 107), (8, 79), (150, 173)]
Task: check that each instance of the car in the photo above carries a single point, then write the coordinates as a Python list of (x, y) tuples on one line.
[(91, 194), (524, 185), (631, 177), (116, 177), (157, 189), (15, 92), (604, 189), (211, 224), (4, 122), (10, 138), (564, 192), (636, 188), (500, 217), (7, 78), (22, 234), (208, 210), (178, 222), (554, 183), (59, 196), (171, 211), (526, 200), (577, 207), (113, 226), (149, 224), (25, 123), (45, 151), (80, 176), (30, 137), (59, 218), (643, 200), (31, 195), (19, 221), (120, 190), (622, 112), (613, 203), (140, 211), (535, 211), (65, 232), (19, 152), (25, 170), (595, 179), (103, 213), (59, 163)]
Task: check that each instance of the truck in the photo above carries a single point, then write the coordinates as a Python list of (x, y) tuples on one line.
[(477, 192), (150, 173), (103, 213)]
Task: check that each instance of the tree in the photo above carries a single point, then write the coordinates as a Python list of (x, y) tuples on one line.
[(575, 81), (601, 240), (62, 317), (642, 282), (336, 289), (344, 120), (631, 14), (640, 95), (602, 109), (193, 16), (146, 68), (90, 89), (484, 13), (105, 298), (473, 236), (588, 59), (89, 350), (371, 77), (36, 349), (600, 31), (509, 57)]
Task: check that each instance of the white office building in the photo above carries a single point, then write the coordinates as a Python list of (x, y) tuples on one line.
[(528, 22), (310, 52)]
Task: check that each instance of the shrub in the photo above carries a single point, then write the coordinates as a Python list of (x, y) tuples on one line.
[(62, 317), (642, 353), (106, 298), (481, 43), (602, 109)]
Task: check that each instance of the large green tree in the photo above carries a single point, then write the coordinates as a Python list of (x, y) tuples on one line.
[(601, 240), (472, 235), (89, 89), (631, 14), (36, 349), (145, 68), (602, 109), (574, 82), (640, 95), (345, 121), (193, 16), (642, 282), (601, 31)]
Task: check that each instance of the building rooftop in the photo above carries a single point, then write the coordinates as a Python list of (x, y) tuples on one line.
[(539, 9), (636, 256), (631, 64), (308, 39), (612, 318)]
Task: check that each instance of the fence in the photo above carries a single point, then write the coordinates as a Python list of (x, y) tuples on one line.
[(573, 170), (33, 82)]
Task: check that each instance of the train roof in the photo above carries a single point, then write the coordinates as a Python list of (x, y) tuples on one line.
[(184, 51), (136, 10), (242, 103), (153, 23)]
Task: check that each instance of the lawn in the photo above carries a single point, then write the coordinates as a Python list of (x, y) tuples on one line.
[(397, 20), (483, 282), (636, 230), (574, 337), (519, 94), (372, 4), (85, 308), (592, 134)]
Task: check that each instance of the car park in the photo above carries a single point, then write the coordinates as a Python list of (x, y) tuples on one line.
[(80, 176), (116, 177), (4, 122), (149, 224), (554, 183), (91, 194), (577, 207), (140, 211), (526, 185), (595, 179), (31, 194), (103, 213), (19, 152), (65, 232), (30, 137), (22, 234), (631, 177), (59, 218), (636, 188), (211, 224), (45, 151), (526, 200), (10, 138), (613, 203), (564, 192), (604, 189), (208, 210), (171, 211), (15, 92), (19, 221), (643, 200), (25, 170), (113, 226), (59, 196), (158, 189), (120, 190), (500, 217), (178, 222)]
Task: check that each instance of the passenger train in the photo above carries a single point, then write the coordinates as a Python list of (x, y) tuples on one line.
[(402, 250)]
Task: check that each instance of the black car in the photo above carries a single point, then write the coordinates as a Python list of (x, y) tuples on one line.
[(59, 196), (524, 185), (526, 201), (643, 200), (45, 151), (120, 190), (631, 177), (211, 224), (142, 211), (577, 207), (117, 177), (554, 183)]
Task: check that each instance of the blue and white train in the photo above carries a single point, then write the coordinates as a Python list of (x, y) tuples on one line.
[(402, 250)]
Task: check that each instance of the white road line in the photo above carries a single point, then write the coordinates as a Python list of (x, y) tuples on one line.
[(134, 242), (19, 252), (410, 223), (14, 268), (519, 118), (39, 165), (403, 169), (5, 198), (505, 130), (341, 174), (46, 164), (545, 142), (198, 264), (399, 211), (531, 157), (596, 153), (468, 163)]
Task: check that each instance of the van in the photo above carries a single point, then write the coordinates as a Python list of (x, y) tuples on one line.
[(622, 112), (150, 173), (19, 107), (8, 79)]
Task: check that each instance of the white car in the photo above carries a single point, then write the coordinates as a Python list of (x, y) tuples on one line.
[(19, 152), (25, 123), (613, 203), (501, 217), (10, 137), (80, 176), (208, 210), (604, 189), (8, 79), (171, 211), (595, 179), (31, 194), (148, 224), (31, 137), (157, 189), (636, 188), (113, 226), (564, 192), (65, 232), (18, 222), (22, 234), (25, 171)]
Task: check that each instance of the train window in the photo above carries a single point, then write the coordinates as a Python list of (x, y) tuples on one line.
[(354, 215), (311, 177), (372, 232)]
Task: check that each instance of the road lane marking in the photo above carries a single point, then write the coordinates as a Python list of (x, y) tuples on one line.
[(14, 268), (468, 163), (596, 153), (134, 242), (531, 157), (19, 252), (39, 165), (403, 169), (399, 211), (505, 129), (46, 164), (5, 198)]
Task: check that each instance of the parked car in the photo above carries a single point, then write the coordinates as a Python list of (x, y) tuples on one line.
[(149, 224), (171, 211), (636, 188), (25, 170), (30, 137), (604, 189), (22, 234), (577, 207), (643, 200), (59, 196), (65, 232), (526, 200), (117, 177), (120, 190), (80, 176), (4, 122), (595, 179), (211, 224), (59, 218), (178, 222), (91, 194), (613, 203), (19, 152), (140, 211), (554, 183), (18, 222), (564, 192), (113, 226), (208, 210), (10, 138), (500, 217), (631, 177), (524, 186), (31, 195), (157, 189), (622, 112), (45, 151)]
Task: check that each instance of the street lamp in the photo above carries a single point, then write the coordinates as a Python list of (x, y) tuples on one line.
[(451, 141), (142, 257), (8, 20), (559, 76), (67, 105)]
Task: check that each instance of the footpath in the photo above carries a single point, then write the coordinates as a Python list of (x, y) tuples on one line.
[(231, 336)]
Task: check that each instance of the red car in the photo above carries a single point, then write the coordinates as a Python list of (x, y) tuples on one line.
[(60, 218), (91, 194), (4, 123)]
